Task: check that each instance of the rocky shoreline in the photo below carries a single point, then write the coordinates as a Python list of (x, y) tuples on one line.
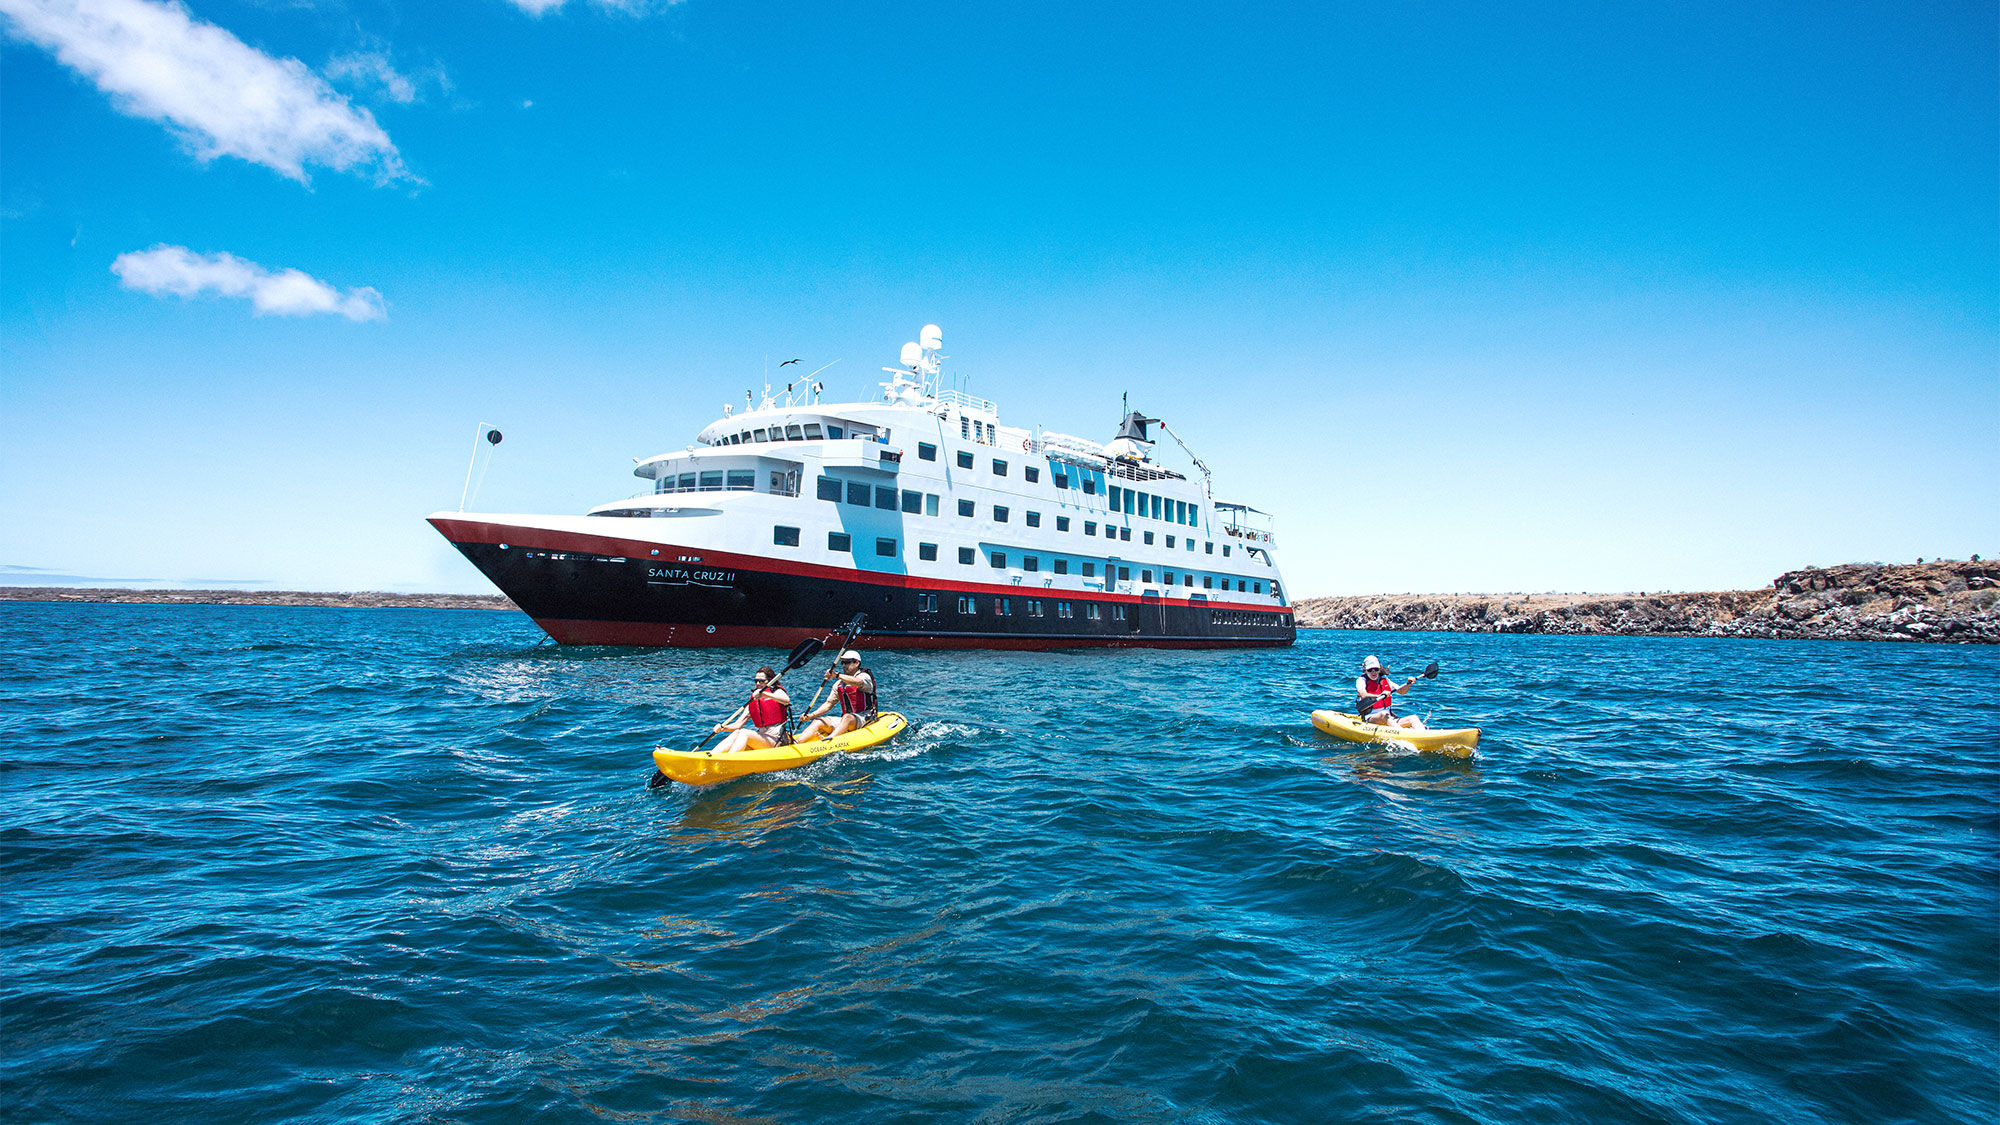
[(1950, 602), (336, 600)]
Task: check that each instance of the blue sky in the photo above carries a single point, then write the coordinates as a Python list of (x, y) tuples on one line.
[(1473, 297)]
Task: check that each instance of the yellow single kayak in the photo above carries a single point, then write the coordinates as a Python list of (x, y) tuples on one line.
[(1457, 743), (706, 767)]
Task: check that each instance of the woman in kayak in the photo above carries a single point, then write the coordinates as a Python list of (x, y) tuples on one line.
[(1375, 691), (856, 696), (760, 725)]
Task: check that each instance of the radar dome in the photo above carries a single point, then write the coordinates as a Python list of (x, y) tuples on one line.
[(932, 336), (912, 354)]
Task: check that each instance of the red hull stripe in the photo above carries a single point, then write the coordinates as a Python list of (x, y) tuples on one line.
[(659, 635), (540, 539)]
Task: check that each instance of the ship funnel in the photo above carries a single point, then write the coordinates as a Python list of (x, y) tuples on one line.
[(1134, 427)]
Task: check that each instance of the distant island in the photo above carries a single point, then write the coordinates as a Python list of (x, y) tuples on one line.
[(334, 600), (1939, 602)]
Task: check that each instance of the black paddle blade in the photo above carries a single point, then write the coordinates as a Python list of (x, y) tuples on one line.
[(659, 779), (803, 652), (1431, 670)]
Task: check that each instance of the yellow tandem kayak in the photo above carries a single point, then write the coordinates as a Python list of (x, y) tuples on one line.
[(706, 767), (1456, 743)]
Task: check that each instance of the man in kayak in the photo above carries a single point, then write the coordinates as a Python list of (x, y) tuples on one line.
[(1375, 691), (855, 695), (760, 725)]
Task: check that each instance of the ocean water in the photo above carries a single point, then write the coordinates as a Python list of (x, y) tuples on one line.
[(327, 865)]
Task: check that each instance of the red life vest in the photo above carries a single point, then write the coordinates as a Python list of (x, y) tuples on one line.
[(1376, 687), (854, 699), (766, 711)]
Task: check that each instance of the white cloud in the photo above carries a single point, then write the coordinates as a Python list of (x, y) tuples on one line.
[(226, 98), (629, 7), (181, 272), (371, 71)]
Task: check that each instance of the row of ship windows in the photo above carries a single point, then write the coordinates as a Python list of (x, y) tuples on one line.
[(808, 431), (886, 548), (1131, 501), (861, 494), (968, 606)]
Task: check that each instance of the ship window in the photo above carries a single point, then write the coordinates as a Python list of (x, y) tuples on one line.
[(1145, 576), (1149, 538), (1208, 548), (812, 431), (964, 459), (1062, 523), (742, 437), (1170, 541), (838, 541), (965, 507), (1225, 550), (1062, 566), (999, 560), (1090, 570), (913, 502), (927, 552), (927, 603), (795, 432), (785, 536), (965, 555), (930, 503), (978, 430), (886, 548), (1059, 478), (1035, 607), (711, 481), (999, 467), (926, 451), (999, 513), (1208, 581), (1156, 506), (1090, 527), (1033, 474), (742, 480), (1003, 606), (1168, 578), (1034, 519), (829, 488), (1125, 533), (1063, 609), (1240, 583), (1031, 562), (1090, 486), (968, 605), (1118, 611), (685, 483), (758, 435), (833, 432), (858, 494), (965, 427), (1256, 587), (1190, 543), (1130, 496), (1093, 611), (1124, 573), (885, 498), (1115, 491)]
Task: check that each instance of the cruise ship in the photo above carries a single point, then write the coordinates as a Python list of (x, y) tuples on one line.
[(946, 527)]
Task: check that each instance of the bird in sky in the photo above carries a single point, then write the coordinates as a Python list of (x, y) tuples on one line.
[(788, 363)]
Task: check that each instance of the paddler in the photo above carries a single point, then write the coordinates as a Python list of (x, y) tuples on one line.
[(760, 724), (855, 695), (1375, 691)]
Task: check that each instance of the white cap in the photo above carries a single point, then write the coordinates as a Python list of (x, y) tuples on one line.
[(850, 654), (1371, 662)]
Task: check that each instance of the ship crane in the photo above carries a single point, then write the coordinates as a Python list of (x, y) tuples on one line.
[(1207, 478)]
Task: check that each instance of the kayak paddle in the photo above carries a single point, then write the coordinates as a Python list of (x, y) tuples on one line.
[(851, 630), (801, 652)]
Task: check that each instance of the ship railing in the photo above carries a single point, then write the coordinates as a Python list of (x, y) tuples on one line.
[(1134, 470), (958, 398)]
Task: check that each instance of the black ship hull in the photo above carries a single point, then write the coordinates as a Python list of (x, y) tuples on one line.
[(607, 590)]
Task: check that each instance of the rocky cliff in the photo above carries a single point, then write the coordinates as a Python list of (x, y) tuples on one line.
[(1941, 601)]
